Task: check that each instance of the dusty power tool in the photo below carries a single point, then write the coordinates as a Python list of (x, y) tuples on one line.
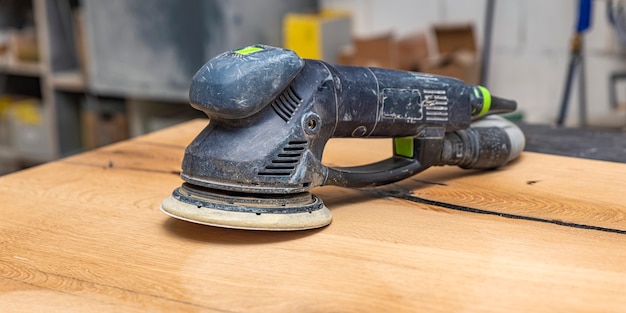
[(272, 112)]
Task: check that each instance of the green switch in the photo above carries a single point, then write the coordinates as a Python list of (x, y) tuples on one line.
[(403, 146), (248, 50)]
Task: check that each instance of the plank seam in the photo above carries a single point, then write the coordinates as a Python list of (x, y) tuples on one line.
[(467, 209)]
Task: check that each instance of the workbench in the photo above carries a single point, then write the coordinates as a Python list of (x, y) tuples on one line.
[(85, 234)]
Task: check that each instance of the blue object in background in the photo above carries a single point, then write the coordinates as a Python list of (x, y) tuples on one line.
[(584, 15)]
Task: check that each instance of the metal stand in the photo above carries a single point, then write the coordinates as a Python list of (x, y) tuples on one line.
[(576, 60), (487, 35)]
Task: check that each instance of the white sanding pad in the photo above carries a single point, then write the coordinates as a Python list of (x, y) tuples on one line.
[(246, 220)]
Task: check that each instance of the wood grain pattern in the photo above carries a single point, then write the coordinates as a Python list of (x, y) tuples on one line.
[(84, 234)]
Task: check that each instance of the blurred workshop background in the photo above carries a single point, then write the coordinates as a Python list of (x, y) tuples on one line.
[(79, 74)]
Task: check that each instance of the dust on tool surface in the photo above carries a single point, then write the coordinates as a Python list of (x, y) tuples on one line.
[(272, 112)]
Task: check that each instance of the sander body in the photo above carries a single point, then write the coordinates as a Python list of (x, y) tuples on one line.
[(271, 114)]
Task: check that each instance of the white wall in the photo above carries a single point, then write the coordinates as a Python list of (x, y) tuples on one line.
[(530, 48)]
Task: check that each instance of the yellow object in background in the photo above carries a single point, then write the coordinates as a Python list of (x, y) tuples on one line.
[(24, 109), (5, 104), (27, 112), (24, 128), (318, 36)]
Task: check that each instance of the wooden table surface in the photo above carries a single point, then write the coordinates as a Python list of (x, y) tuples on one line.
[(85, 234)]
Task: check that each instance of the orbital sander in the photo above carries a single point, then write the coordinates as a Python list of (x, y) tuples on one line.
[(271, 114)]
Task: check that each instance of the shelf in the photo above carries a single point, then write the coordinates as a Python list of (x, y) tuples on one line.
[(8, 65), (69, 81)]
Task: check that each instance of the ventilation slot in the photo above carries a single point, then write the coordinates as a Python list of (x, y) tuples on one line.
[(286, 161), (286, 104)]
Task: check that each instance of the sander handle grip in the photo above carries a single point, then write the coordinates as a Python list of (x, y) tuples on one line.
[(488, 143), (379, 173)]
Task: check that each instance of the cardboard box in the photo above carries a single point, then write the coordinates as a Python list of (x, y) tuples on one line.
[(318, 36), (379, 51), (457, 55), (463, 66), (412, 52), (453, 38), (375, 51), (23, 45), (103, 122), (386, 51), (103, 129)]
